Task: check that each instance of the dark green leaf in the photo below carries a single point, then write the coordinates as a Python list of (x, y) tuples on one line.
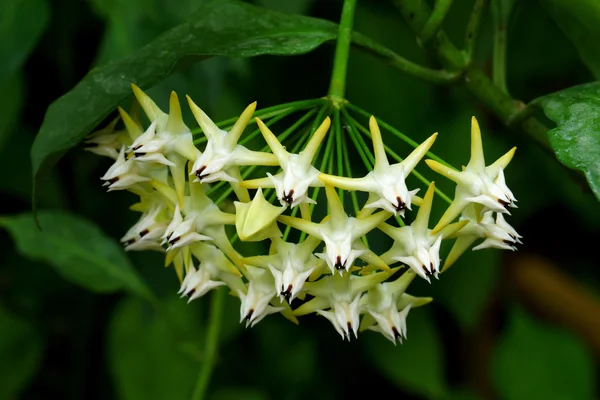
[(576, 139), (501, 10), (462, 395), (534, 360), (20, 353), (299, 367), (17, 184), (79, 251), (221, 28), (580, 21), (238, 393), (10, 105), (148, 356), (417, 365), (290, 7), (22, 22), (131, 24), (465, 288)]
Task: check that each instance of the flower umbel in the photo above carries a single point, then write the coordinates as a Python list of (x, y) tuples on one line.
[(320, 262)]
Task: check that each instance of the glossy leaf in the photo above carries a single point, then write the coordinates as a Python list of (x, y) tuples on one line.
[(77, 249), (576, 139), (417, 365), (534, 360), (21, 348), (151, 357), (21, 25), (579, 20), (221, 28)]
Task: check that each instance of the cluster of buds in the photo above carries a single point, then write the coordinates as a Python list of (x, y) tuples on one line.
[(330, 269)]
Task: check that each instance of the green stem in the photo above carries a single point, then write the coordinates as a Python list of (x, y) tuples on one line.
[(337, 86), (417, 13), (269, 112), (351, 129), (352, 132), (401, 63), (337, 127), (434, 23), (473, 28), (397, 133), (499, 55), (211, 344), (348, 168), (396, 157), (503, 105)]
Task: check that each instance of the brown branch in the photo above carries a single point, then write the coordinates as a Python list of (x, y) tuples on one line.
[(555, 295)]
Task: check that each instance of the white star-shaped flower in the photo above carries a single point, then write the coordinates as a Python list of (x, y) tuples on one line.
[(298, 173), (476, 183), (106, 141), (214, 270), (497, 233), (200, 219), (386, 183), (386, 306), (415, 245), (255, 302), (146, 233), (123, 174), (167, 141), (337, 297), (223, 155), (340, 233), (291, 264)]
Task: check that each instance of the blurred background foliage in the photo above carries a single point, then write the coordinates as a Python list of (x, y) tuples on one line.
[(503, 326)]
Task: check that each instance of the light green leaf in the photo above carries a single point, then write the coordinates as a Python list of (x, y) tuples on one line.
[(538, 361), (150, 357), (221, 28), (20, 353), (77, 249), (576, 139), (580, 20), (417, 365), (22, 22)]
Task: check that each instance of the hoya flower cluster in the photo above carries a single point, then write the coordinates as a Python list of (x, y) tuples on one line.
[(329, 270)]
